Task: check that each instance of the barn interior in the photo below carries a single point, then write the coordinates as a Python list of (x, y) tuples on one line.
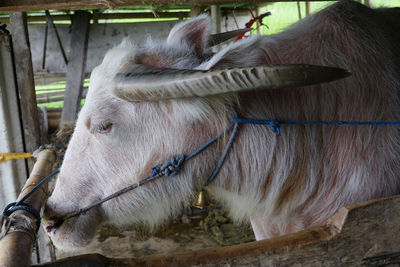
[(47, 52)]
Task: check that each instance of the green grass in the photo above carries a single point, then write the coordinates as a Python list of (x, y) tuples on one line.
[(284, 14), (55, 87)]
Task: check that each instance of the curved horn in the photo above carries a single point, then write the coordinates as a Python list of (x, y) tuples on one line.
[(148, 83), (218, 38)]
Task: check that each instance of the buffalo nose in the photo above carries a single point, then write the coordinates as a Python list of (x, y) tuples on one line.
[(51, 221), (52, 224)]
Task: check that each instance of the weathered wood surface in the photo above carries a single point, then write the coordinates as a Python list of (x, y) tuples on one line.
[(25, 81), (28, 5), (13, 173), (76, 65), (215, 19), (16, 247), (366, 234)]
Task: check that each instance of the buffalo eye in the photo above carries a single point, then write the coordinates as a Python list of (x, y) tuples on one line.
[(103, 128)]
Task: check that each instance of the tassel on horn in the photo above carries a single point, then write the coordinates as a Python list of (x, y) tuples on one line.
[(218, 38)]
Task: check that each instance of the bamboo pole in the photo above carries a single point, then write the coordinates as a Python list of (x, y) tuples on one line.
[(16, 246), (55, 96)]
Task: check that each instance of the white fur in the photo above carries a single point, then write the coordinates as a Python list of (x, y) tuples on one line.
[(283, 184)]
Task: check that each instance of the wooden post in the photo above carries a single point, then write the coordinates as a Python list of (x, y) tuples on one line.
[(299, 9), (25, 81), (16, 247), (13, 173), (215, 19), (259, 28), (76, 66), (308, 8)]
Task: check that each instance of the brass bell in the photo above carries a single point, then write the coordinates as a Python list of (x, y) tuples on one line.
[(201, 200)]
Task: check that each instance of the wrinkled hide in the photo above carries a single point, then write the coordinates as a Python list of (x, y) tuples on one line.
[(281, 183)]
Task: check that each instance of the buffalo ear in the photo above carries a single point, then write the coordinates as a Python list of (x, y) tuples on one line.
[(194, 32)]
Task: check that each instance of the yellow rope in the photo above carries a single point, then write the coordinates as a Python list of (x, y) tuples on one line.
[(9, 156)]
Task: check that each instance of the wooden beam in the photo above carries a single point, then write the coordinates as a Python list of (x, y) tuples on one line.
[(25, 80), (308, 8), (13, 174), (365, 234), (30, 5), (76, 66)]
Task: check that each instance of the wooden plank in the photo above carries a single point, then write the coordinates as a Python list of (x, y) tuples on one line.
[(76, 65), (13, 173), (25, 80), (365, 234), (30, 5)]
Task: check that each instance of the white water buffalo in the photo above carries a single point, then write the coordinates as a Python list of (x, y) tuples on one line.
[(140, 111)]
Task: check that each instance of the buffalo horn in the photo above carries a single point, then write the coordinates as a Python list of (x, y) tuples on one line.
[(218, 38), (147, 83)]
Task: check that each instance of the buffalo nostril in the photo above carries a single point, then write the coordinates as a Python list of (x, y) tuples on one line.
[(53, 224)]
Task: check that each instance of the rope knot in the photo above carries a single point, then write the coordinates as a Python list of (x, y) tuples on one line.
[(275, 126), (14, 206), (170, 168)]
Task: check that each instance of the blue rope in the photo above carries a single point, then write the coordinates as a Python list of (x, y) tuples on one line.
[(224, 154), (172, 167), (275, 124), (21, 205), (45, 180), (168, 169)]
